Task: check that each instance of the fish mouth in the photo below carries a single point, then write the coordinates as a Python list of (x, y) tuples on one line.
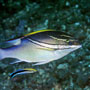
[(76, 46)]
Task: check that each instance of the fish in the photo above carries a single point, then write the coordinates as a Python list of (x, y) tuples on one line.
[(40, 47), (21, 72)]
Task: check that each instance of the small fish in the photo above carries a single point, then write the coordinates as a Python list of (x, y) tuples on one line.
[(22, 71), (40, 47)]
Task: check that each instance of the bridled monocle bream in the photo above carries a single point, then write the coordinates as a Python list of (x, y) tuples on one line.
[(40, 47)]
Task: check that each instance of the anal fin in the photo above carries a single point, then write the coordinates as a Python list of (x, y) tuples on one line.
[(40, 63), (15, 61)]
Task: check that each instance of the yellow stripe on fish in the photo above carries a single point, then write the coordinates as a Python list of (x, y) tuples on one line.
[(38, 32), (57, 38), (30, 69)]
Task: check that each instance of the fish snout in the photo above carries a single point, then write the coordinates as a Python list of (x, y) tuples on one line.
[(74, 42)]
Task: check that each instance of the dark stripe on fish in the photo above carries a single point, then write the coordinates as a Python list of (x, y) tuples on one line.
[(18, 71), (38, 43), (46, 34), (53, 46)]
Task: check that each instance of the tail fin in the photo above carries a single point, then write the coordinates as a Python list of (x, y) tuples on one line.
[(1, 54)]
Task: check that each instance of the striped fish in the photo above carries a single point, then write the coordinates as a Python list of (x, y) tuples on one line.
[(22, 71), (40, 47)]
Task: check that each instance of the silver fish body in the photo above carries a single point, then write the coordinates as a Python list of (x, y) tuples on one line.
[(41, 47)]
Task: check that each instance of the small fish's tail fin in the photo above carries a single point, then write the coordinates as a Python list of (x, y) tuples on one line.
[(1, 54), (22, 71)]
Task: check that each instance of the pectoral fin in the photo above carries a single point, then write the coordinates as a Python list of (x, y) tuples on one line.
[(15, 61)]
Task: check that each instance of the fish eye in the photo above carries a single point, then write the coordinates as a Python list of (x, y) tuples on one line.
[(70, 43), (67, 41)]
